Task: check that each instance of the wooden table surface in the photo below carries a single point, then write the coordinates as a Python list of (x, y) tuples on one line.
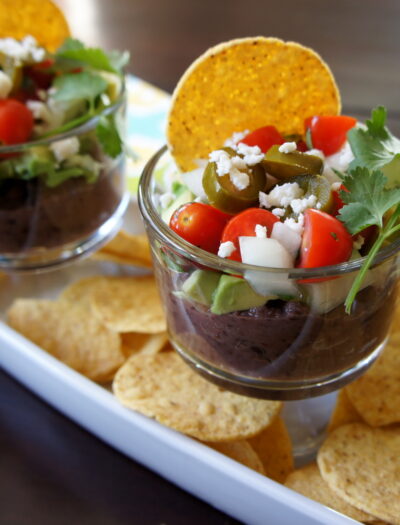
[(51, 471)]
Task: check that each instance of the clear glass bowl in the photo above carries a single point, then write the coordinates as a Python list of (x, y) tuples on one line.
[(42, 227), (287, 349)]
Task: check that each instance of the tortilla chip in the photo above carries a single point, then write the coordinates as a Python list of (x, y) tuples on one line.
[(376, 394), (40, 18), (69, 333), (129, 304), (162, 386), (344, 412), (242, 85), (82, 289), (126, 248), (134, 343), (241, 451), (308, 481), (274, 447), (362, 465)]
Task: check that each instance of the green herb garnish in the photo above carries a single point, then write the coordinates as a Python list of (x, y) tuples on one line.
[(369, 198), (108, 136), (96, 58)]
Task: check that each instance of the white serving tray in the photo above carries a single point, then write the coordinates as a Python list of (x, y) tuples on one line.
[(212, 477)]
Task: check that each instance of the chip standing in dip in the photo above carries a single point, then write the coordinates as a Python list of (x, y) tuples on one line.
[(275, 241)]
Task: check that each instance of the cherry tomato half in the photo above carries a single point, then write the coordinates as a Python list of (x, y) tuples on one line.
[(16, 122), (264, 138), (328, 133), (325, 240), (244, 224), (200, 224)]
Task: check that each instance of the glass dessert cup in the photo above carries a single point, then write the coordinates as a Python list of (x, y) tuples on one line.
[(298, 346), (44, 225)]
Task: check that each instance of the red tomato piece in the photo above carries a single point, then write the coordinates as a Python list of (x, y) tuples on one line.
[(200, 224), (264, 138), (325, 240), (337, 201), (244, 224), (16, 122), (328, 133)]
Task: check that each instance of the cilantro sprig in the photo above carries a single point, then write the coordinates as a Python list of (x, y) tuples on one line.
[(370, 193)]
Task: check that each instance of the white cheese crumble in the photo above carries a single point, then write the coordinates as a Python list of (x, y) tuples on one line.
[(235, 139), (239, 179), (336, 186), (297, 226), (338, 161), (252, 155), (299, 205), (261, 231), (40, 110), (166, 199), (5, 84), (281, 196), (65, 148), (225, 164), (226, 249), (279, 212), (316, 153), (24, 51), (288, 147), (222, 161)]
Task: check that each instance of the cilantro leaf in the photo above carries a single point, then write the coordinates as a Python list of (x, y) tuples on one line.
[(366, 200), (108, 136), (94, 57), (376, 148), (79, 86)]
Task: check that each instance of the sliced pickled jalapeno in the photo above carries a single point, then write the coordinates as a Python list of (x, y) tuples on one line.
[(223, 192), (316, 185), (284, 166)]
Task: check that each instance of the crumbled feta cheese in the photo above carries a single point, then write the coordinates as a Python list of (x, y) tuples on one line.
[(235, 139), (261, 231), (316, 153), (318, 206), (252, 155), (166, 199), (279, 212), (22, 51), (5, 84), (65, 148), (239, 179), (39, 110), (358, 242), (338, 161), (226, 164), (222, 160), (281, 195), (297, 226), (288, 147), (336, 186), (226, 249), (299, 205)]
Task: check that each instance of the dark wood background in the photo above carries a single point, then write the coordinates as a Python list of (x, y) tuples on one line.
[(51, 471)]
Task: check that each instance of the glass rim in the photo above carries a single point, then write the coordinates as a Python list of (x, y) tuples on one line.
[(201, 257), (78, 130)]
